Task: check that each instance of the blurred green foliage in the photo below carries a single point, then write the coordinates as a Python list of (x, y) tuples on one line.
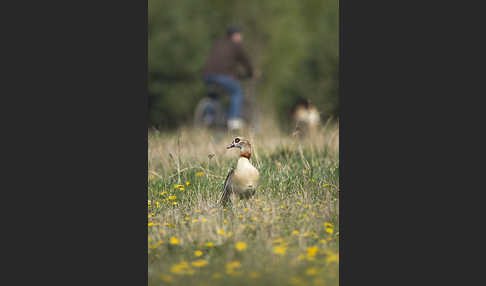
[(293, 43)]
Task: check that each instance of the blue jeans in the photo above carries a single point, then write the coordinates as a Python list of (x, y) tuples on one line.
[(232, 86)]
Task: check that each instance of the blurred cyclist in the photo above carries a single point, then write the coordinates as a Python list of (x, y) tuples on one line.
[(220, 69)]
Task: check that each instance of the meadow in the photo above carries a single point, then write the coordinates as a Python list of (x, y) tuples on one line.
[(287, 234)]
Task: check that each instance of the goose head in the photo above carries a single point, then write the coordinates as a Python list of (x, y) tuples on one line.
[(244, 146)]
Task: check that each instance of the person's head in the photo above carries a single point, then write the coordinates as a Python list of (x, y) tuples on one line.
[(234, 33)]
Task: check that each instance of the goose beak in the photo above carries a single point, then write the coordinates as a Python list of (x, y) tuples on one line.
[(231, 146)]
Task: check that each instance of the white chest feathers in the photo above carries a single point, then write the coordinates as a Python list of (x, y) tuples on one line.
[(245, 177)]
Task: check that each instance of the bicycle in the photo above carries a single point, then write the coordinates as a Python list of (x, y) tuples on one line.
[(211, 111)]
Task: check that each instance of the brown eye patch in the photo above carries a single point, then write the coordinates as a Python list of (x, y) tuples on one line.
[(237, 140)]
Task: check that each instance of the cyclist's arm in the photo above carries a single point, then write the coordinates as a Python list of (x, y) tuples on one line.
[(242, 57)]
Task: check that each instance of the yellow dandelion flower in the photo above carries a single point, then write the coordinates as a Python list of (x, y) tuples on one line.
[(182, 268), (188, 183), (233, 264), (178, 186), (174, 203), (198, 253), (150, 224), (204, 219), (325, 185), (311, 271), (181, 188), (172, 197), (225, 221), (217, 275), (311, 252), (332, 258), (163, 193), (327, 224), (148, 203), (174, 240), (245, 209), (280, 250), (194, 220), (157, 204), (240, 246), (199, 263), (199, 174), (299, 203), (278, 217), (313, 180), (329, 230), (230, 268), (221, 232), (209, 244), (167, 278), (295, 232), (323, 241)]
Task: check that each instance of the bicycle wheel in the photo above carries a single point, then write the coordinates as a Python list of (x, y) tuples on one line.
[(208, 113)]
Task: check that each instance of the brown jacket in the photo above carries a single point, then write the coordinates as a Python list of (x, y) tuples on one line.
[(224, 57)]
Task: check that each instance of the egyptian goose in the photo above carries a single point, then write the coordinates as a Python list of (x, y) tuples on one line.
[(242, 180)]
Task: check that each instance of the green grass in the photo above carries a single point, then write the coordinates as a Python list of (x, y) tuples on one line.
[(290, 227)]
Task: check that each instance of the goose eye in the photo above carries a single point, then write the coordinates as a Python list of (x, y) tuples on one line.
[(237, 140)]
